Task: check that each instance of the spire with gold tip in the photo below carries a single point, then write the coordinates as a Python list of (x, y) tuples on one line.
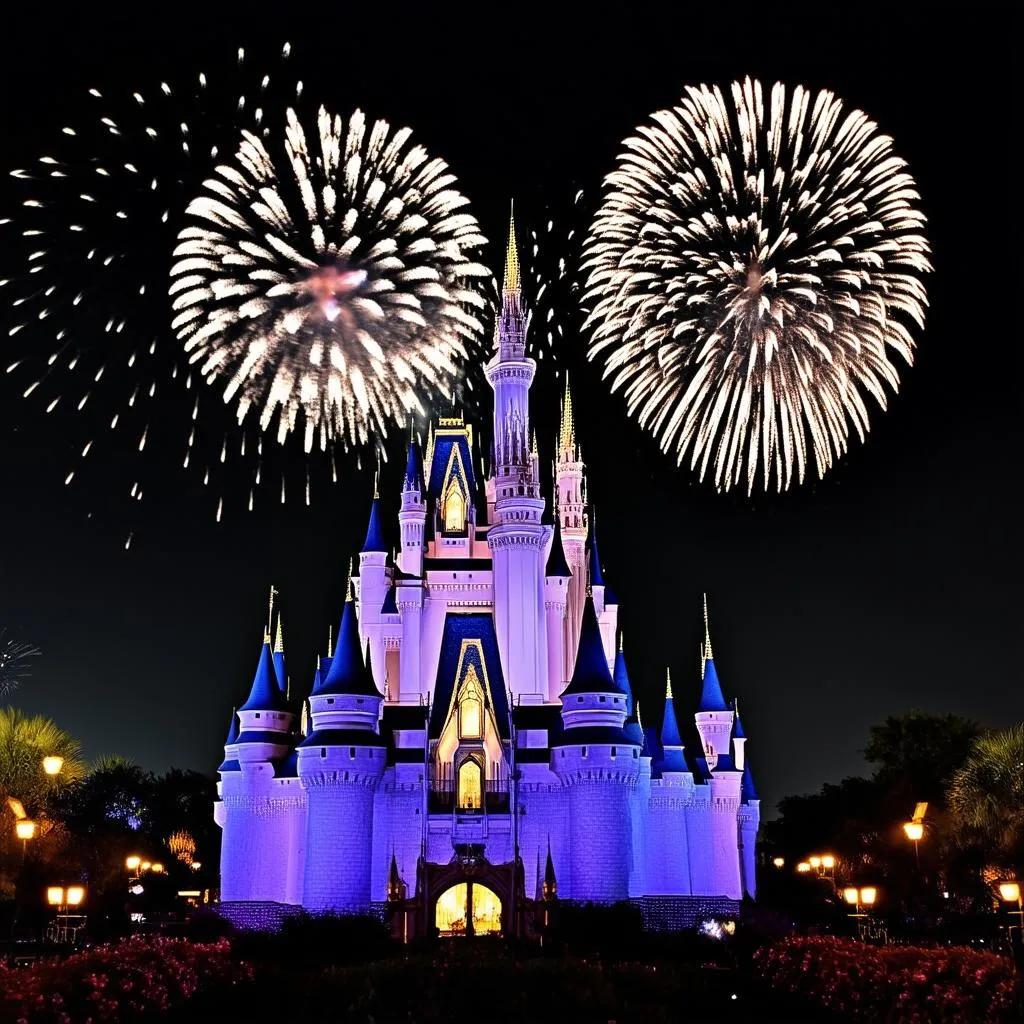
[(510, 328), (278, 655), (510, 286), (711, 697), (567, 429), (672, 759)]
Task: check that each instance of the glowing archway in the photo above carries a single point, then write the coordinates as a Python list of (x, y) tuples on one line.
[(471, 777), (468, 908)]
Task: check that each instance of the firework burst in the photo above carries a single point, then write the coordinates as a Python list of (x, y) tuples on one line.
[(90, 243), (332, 289), (753, 269)]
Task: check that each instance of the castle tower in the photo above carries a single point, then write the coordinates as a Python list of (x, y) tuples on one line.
[(557, 581), (739, 739), (254, 862), (572, 523), (641, 794), (412, 518), (714, 719), (723, 851), (372, 587), (598, 764), (749, 822), (517, 538), (340, 765)]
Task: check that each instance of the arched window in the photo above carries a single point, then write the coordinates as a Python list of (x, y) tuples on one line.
[(471, 778), (454, 508), (471, 706)]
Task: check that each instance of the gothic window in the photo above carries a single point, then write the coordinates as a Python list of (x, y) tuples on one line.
[(471, 707), (454, 508), (470, 785)]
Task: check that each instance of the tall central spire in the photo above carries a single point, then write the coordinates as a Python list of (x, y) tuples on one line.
[(511, 282), (567, 431)]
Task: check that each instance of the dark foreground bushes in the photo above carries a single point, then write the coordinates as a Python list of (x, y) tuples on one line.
[(908, 984), (118, 982)]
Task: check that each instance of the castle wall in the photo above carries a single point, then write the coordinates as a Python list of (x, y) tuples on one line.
[(668, 852)]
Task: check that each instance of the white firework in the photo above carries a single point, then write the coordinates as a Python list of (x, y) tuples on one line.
[(753, 271), (335, 289)]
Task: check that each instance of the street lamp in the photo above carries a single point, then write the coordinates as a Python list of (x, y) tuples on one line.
[(815, 862), (25, 829), (52, 764), (914, 830), (779, 862), (803, 867), (132, 863), (1010, 892)]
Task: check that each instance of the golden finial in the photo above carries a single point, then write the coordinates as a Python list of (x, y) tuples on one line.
[(668, 684), (638, 722), (330, 641), (533, 448), (620, 641), (279, 637), (567, 435), (304, 719), (511, 283), (430, 449), (376, 482), (707, 633), (348, 584)]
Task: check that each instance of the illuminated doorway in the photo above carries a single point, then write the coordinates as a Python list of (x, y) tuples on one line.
[(471, 778), (468, 908)]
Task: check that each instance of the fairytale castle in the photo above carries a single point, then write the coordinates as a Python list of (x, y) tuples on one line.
[(471, 752)]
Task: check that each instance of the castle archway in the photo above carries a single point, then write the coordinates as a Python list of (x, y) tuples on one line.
[(468, 908), (471, 785)]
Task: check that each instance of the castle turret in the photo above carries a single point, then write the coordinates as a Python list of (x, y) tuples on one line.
[(724, 847), (714, 719), (557, 580), (569, 500), (340, 765), (739, 738), (412, 518), (668, 862), (749, 822), (641, 794), (517, 539), (598, 764), (607, 612), (372, 586), (257, 818)]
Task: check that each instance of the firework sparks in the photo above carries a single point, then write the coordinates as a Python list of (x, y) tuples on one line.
[(754, 268), (14, 662), (93, 235), (333, 289)]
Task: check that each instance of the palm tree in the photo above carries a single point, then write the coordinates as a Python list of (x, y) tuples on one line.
[(24, 742), (986, 797)]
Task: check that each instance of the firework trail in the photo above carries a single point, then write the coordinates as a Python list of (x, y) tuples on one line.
[(334, 288), (756, 264), (91, 239), (14, 662)]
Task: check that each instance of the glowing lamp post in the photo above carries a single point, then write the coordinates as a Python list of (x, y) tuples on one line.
[(779, 862), (1010, 892), (803, 867), (52, 764), (815, 862), (914, 830), (25, 829), (861, 899)]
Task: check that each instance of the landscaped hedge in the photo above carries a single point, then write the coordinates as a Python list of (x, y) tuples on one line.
[(116, 982), (891, 983)]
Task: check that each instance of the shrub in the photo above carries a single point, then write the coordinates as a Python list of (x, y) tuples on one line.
[(905, 983), (309, 941), (116, 982)]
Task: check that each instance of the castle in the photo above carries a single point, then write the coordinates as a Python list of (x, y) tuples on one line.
[(471, 749)]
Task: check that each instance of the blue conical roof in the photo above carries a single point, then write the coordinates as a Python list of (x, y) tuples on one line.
[(737, 724), (414, 468), (748, 791), (232, 729), (374, 531), (621, 677), (591, 674), (711, 698), (725, 763), (390, 604), (280, 672), (265, 694), (348, 673), (670, 725), (557, 565), (594, 565)]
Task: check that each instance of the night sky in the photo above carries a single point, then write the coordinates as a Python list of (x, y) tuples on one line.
[(892, 584)]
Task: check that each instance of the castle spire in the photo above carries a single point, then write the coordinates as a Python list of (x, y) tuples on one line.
[(567, 430), (550, 882), (348, 673), (511, 282), (668, 684), (265, 693), (270, 610), (374, 541), (708, 656), (280, 668)]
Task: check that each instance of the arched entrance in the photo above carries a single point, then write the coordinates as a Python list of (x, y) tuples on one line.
[(468, 908)]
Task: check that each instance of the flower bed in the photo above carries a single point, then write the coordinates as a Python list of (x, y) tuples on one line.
[(116, 982), (893, 983)]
